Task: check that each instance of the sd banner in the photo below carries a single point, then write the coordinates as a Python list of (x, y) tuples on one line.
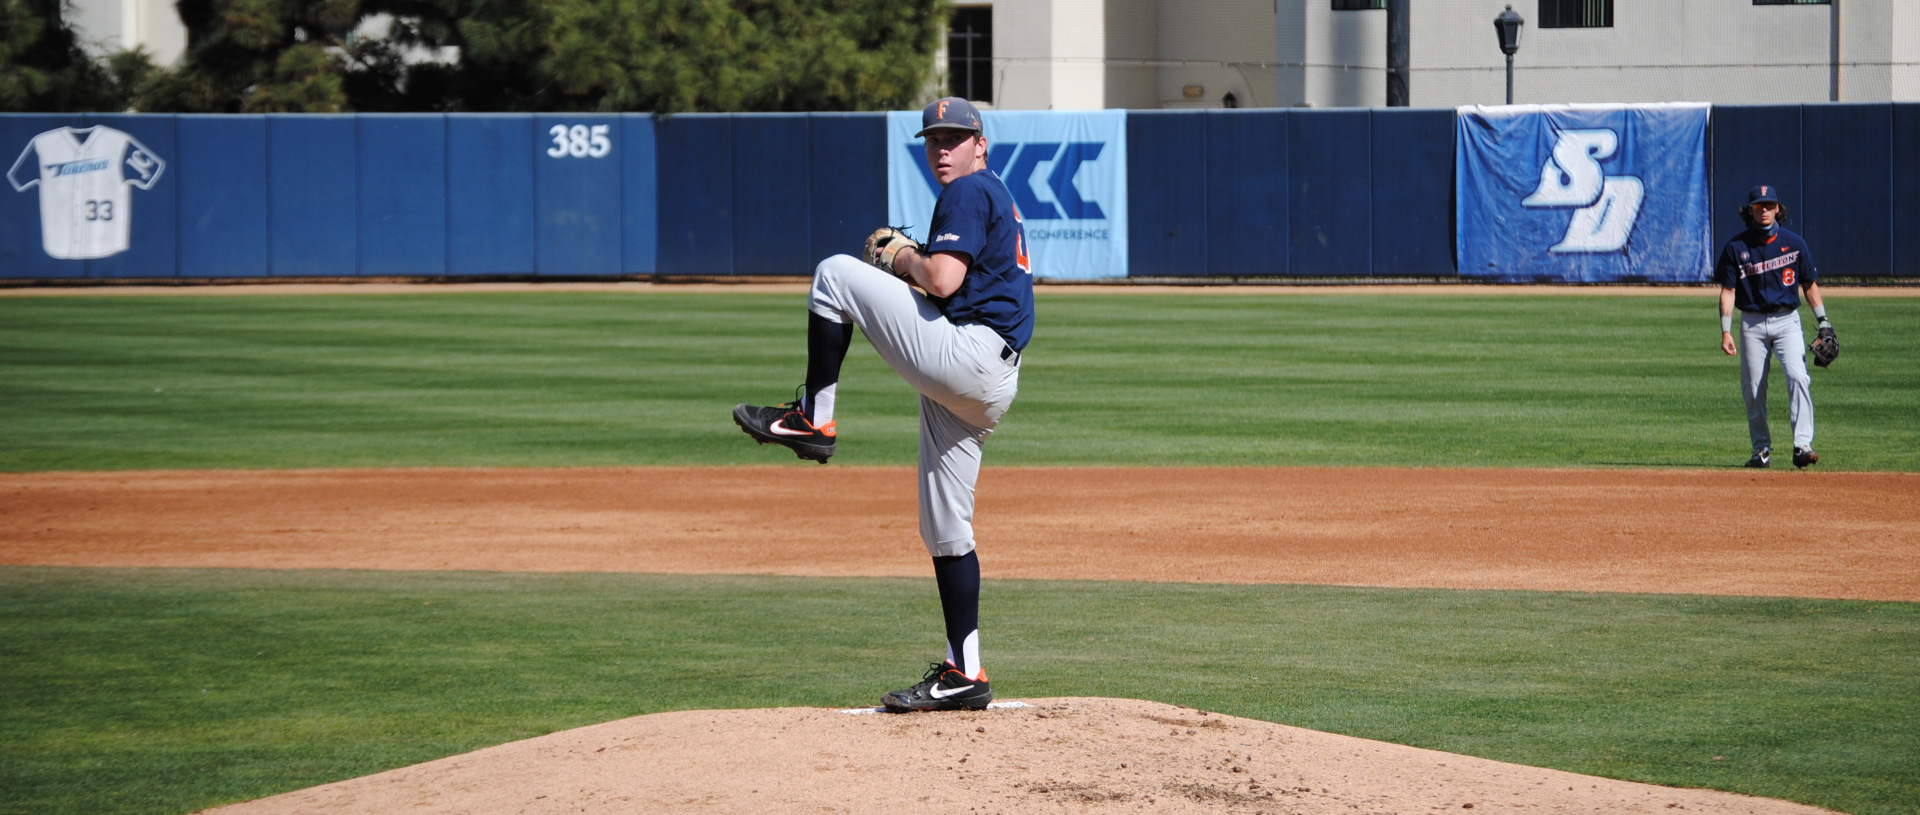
[(1582, 193), (1067, 172)]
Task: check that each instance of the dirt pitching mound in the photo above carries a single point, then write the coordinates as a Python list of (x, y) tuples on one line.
[(1043, 755)]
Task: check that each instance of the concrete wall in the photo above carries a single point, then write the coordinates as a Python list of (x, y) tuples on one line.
[(1079, 54), (1721, 51), (1050, 54), (1093, 54)]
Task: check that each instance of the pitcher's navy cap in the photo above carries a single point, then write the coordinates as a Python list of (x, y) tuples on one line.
[(1765, 193), (951, 112)]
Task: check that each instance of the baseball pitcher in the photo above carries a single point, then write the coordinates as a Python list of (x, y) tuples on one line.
[(951, 317)]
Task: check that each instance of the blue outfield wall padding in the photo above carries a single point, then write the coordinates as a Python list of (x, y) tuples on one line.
[(696, 193), (848, 184), (402, 194), (1330, 175), (1904, 175), (640, 191), (769, 236), (1846, 152), (1246, 207), (223, 195), (1412, 207), (576, 194), (153, 245), (1751, 145), (490, 216), (23, 252), (1298, 192), (1166, 194), (313, 221)]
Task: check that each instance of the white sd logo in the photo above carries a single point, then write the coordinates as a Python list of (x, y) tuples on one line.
[(1606, 205)]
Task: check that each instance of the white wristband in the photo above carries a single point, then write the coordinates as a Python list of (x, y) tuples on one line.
[(1726, 324), (1820, 312)]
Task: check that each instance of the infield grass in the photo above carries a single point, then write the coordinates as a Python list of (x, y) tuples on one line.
[(163, 691), (592, 379)]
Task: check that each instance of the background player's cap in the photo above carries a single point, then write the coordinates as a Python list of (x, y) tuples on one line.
[(1766, 193), (951, 112)]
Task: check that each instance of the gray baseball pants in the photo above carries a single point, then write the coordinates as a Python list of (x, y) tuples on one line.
[(965, 386), (1779, 335)]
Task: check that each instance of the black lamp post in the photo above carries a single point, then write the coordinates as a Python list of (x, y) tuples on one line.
[(1397, 62), (1508, 26)]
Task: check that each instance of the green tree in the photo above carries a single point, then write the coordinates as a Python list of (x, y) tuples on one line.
[(258, 56), (666, 56)]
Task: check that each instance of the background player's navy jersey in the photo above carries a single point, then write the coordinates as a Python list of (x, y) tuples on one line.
[(975, 215), (1765, 271)]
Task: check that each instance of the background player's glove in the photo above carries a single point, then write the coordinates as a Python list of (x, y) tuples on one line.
[(884, 244), (1826, 345)]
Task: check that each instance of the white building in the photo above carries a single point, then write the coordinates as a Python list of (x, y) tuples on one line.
[(1089, 54), (106, 26)]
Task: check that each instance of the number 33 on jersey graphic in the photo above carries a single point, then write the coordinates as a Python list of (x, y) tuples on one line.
[(85, 176)]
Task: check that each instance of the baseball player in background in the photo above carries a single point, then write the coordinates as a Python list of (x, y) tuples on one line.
[(1761, 272), (957, 340)]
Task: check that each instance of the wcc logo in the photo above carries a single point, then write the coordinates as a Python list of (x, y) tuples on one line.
[(1016, 165), (1603, 207)]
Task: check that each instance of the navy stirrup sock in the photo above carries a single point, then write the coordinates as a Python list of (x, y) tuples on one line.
[(827, 343), (959, 580)]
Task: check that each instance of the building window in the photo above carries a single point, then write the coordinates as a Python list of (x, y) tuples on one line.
[(1576, 13), (1792, 2), (970, 53), (1358, 5)]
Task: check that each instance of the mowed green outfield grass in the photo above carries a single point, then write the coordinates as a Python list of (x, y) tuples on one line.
[(570, 379), (143, 691), (169, 690)]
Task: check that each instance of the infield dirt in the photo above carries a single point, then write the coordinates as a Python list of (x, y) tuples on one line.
[(1849, 535)]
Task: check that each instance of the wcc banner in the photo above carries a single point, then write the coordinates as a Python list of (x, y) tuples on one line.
[(1582, 193), (1067, 172)]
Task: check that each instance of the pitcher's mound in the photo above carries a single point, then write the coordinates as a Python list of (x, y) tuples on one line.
[(1050, 755)]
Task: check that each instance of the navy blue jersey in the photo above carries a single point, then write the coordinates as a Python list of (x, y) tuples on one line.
[(975, 215), (1765, 271)]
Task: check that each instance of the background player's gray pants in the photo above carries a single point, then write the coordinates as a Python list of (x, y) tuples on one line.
[(965, 387), (1781, 335)]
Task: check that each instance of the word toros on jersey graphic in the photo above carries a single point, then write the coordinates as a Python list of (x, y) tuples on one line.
[(1605, 206), (1016, 163), (85, 175)]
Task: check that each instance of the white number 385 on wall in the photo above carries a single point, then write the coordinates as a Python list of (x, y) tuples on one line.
[(580, 141)]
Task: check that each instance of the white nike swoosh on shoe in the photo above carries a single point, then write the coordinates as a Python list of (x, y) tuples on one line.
[(780, 430), (937, 694)]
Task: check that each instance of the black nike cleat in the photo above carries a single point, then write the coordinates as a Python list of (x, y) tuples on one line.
[(1804, 457), (1762, 459), (943, 688), (786, 425)]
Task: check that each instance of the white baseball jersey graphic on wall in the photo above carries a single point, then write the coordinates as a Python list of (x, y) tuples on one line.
[(85, 175)]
